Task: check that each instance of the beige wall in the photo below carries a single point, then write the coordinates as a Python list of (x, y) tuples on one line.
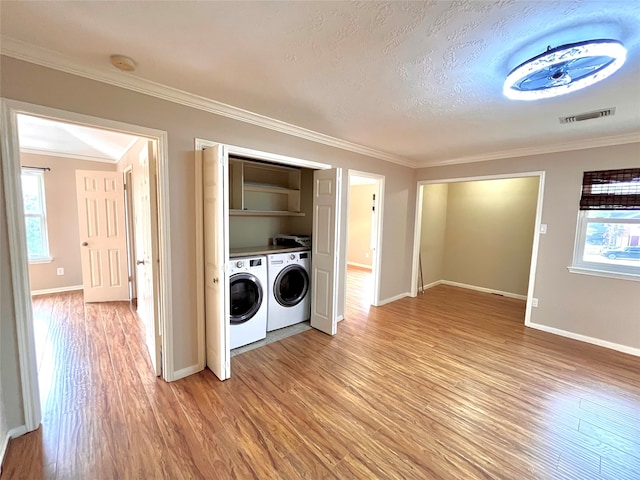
[(62, 220), (64, 91), (359, 241), (489, 233), (433, 229), (597, 307)]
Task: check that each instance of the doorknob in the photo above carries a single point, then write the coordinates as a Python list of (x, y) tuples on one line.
[(140, 262), (85, 244)]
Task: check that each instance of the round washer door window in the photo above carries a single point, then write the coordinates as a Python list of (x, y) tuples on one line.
[(291, 285), (245, 295)]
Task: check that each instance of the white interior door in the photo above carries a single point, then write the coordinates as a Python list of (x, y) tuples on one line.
[(324, 253), (146, 249), (215, 165), (103, 238)]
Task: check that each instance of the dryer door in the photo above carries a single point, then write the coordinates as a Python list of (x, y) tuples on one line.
[(291, 285), (246, 297)]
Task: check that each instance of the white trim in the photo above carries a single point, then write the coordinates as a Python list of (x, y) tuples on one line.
[(586, 339), (51, 59), (360, 265), (483, 289), (542, 148), (13, 433), (432, 284), (18, 259), (602, 273), (48, 291), (40, 260), (73, 156), (339, 318), (48, 58), (17, 241), (393, 299), (185, 372), (534, 250), (199, 232)]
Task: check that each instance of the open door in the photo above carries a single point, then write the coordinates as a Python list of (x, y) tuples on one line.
[(103, 237), (215, 165), (324, 250), (146, 250)]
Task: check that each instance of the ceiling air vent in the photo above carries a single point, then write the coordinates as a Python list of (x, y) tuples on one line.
[(607, 112)]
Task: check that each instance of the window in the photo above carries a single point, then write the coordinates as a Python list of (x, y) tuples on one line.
[(35, 216), (608, 236)]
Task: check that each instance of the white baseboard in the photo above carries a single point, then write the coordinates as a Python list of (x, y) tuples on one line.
[(185, 372), (584, 338), (360, 265), (340, 318), (393, 299), (48, 291), (431, 285), (13, 433), (483, 289)]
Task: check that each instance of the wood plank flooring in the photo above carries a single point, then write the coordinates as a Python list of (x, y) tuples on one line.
[(448, 385)]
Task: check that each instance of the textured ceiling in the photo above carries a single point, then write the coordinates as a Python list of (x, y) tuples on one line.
[(421, 80)]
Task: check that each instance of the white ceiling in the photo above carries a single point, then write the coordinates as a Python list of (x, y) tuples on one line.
[(45, 136), (418, 82)]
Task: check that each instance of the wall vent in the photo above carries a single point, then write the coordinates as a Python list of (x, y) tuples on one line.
[(581, 117)]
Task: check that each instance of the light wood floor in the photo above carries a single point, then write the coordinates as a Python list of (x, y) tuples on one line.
[(448, 385)]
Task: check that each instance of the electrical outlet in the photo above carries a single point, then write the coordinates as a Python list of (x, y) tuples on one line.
[(366, 254), (60, 271), (534, 302)]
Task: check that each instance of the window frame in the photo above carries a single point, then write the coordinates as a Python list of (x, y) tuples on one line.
[(37, 173)]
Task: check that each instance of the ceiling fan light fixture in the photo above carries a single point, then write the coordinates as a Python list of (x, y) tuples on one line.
[(564, 69)]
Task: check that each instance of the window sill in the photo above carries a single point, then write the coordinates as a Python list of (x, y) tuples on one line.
[(604, 273), (36, 261)]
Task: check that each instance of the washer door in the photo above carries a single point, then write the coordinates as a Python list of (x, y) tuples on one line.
[(245, 294), (291, 285)]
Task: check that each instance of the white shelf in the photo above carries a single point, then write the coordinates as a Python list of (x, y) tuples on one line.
[(264, 213)]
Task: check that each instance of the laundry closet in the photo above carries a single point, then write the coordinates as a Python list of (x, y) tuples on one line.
[(260, 275)]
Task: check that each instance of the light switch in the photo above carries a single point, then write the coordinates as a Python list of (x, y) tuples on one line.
[(543, 229)]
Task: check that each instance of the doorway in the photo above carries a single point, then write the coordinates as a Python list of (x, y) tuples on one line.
[(12, 140), (364, 235), (479, 233)]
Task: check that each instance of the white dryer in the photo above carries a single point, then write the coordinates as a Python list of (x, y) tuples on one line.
[(248, 300), (289, 297)]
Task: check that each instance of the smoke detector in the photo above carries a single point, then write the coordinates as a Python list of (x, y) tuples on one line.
[(581, 117), (124, 63)]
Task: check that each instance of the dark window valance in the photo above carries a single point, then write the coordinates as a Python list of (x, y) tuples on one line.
[(611, 190)]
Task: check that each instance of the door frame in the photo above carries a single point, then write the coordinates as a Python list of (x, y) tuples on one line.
[(131, 234), (199, 145), (9, 110), (376, 261), (536, 230)]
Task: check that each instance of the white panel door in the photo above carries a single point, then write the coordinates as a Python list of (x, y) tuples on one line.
[(324, 250), (145, 214), (103, 239), (215, 165)]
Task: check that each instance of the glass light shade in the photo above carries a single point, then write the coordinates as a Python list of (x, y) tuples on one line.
[(564, 69)]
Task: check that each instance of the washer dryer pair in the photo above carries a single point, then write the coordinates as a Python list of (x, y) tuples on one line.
[(248, 292), (289, 287)]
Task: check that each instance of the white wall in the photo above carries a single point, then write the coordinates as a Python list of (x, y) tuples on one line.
[(606, 309)]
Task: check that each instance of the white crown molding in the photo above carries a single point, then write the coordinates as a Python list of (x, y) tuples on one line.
[(539, 150), (51, 153), (48, 58)]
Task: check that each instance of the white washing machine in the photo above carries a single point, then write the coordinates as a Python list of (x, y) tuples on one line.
[(248, 290), (289, 287)]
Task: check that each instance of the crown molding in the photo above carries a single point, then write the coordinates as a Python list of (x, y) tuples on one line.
[(51, 153), (539, 150), (51, 59)]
